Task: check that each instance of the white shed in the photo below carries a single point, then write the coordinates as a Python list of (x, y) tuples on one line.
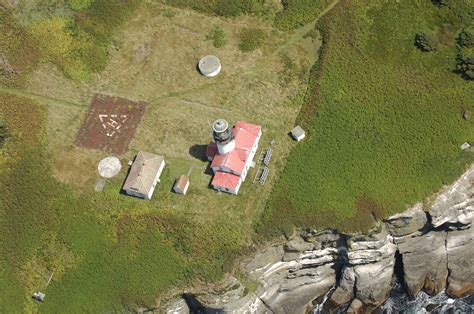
[(298, 133), (181, 185)]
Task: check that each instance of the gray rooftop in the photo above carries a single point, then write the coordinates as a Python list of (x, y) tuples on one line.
[(143, 173), (297, 131), (209, 64)]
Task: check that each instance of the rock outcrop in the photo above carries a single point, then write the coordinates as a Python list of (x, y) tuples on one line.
[(429, 247)]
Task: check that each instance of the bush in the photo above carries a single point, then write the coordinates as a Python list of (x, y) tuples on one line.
[(465, 63), (427, 41), (466, 37), (221, 7), (218, 36), (251, 39), (440, 3), (18, 50), (3, 132), (296, 13), (53, 36)]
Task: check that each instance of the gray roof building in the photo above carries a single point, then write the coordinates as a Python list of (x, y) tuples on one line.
[(297, 133), (144, 175)]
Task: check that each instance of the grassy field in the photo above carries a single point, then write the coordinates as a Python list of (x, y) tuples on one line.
[(110, 252), (385, 119)]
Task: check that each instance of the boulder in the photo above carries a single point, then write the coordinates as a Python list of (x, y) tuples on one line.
[(424, 261), (294, 247), (410, 221)]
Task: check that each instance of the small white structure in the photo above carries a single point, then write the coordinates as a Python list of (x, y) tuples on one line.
[(109, 167), (298, 133), (144, 175), (39, 296), (209, 66), (181, 185), (465, 146)]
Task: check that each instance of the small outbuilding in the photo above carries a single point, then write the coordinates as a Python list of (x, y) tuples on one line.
[(297, 133), (181, 185), (209, 66), (465, 146), (144, 175)]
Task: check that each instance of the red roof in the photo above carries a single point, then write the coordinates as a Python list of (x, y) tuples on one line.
[(245, 136), (225, 180), (211, 150), (252, 128), (231, 160)]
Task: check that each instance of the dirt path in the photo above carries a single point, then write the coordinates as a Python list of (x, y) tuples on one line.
[(44, 99)]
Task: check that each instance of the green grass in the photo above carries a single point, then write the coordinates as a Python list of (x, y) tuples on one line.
[(108, 252), (384, 121)]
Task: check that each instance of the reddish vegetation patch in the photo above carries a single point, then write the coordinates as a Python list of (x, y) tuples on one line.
[(110, 124)]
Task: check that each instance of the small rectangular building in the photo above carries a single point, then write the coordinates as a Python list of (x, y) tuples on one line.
[(181, 185), (297, 133), (144, 175)]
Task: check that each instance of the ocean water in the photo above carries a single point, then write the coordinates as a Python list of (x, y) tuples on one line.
[(400, 302)]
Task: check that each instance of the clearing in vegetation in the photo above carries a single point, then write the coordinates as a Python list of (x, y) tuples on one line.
[(110, 124), (385, 119)]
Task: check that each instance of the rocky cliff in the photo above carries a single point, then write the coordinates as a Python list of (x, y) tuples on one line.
[(429, 247)]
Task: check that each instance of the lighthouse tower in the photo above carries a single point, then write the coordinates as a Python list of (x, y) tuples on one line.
[(223, 137)]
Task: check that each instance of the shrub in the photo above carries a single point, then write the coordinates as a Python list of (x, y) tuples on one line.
[(251, 39), (218, 36), (54, 38), (440, 3), (78, 5), (221, 7), (465, 63), (18, 50), (427, 41), (3, 132), (296, 13), (466, 37)]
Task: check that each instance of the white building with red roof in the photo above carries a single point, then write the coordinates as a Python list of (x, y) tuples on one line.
[(231, 153)]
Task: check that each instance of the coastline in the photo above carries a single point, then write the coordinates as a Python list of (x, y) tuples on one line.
[(426, 250)]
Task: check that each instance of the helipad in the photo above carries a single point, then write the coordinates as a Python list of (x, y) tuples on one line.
[(109, 167)]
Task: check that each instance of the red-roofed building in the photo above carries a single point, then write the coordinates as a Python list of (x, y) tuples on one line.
[(232, 153)]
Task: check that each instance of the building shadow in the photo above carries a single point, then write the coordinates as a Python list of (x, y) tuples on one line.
[(199, 152)]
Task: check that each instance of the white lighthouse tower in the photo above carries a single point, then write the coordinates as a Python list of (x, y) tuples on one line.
[(223, 137)]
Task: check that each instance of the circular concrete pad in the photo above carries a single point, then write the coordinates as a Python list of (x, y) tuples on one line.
[(109, 167), (209, 66)]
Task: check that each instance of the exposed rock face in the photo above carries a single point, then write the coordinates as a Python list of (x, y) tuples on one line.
[(460, 248), (356, 272), (424, 262)]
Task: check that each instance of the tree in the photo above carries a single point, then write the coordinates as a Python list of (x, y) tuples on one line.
[(427, 41)]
